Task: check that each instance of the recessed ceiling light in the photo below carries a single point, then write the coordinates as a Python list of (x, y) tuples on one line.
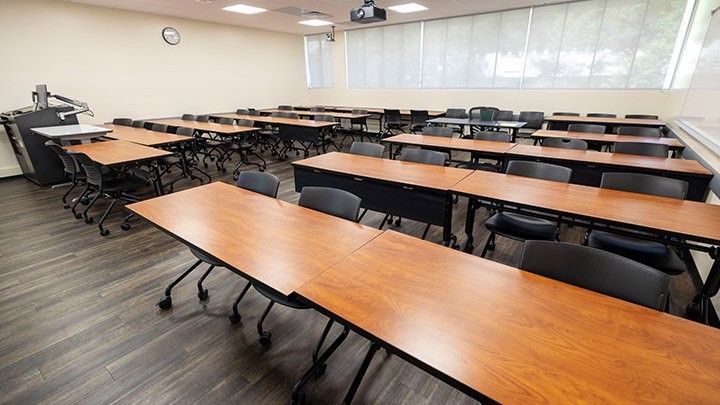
[(408, 8), (243, 9), (315, 22)]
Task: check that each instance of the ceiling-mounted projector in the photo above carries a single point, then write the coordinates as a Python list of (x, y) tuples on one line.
[(368, 13)]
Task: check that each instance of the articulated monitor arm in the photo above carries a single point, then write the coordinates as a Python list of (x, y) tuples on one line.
[(83, 107)]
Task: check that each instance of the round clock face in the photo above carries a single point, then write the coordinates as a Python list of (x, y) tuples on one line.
[(171, 35)]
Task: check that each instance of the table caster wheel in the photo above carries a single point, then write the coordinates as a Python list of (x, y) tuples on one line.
[(469, 248), (89, 220), (235, 319), (265, 338), (66, 206), (398, 221), (78, 215), (300, 400), (262, 169), (321, 370), (84, 201), (165, 303), (125, 226), (104, 232), (203, 295)]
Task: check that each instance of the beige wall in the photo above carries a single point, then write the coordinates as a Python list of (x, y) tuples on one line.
[(118, 62)]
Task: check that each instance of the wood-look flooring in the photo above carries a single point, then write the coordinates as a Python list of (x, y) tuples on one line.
[(79, 321)]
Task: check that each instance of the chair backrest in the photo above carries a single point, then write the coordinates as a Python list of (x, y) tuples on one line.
[(359, 111), (566, 114), (138, 124), (640, 131), (645, 184), (92, 171), (285, 107), (446, 132), (225, 121), (241, 111), (361, 121), (245, 123), (367, 149), (123, 121), (333, 201), (565, 143), (602, 115), (186, 131), (641, 116), (393, 117), (69, 165), (159, 127), (534, 119), (504, 115), (641, 148), (324, 118), (317, 109), (253, 113), (589, 128), (202, 118), (456, 113), (428, 157), (539, 170), (294, 116), (597, 270), (483, 113), (188, 117), (278, 114), (493, 136), (259, 182), (419, 117)]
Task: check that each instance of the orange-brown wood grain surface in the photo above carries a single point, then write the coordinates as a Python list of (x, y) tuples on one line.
[(276, 243), (143, 136), (467, 145), (607, 138), (606, 120), (513, 336), (415, 174), (696, 220), (117, 152), (204, 126)]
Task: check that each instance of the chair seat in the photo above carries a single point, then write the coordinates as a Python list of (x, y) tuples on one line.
[(521, 227), (169, 160), (206, 259), (653, 254), (123, 183), (213, 143), (273, 296)]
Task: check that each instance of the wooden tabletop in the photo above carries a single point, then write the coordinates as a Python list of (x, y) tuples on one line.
[(372, 110), (279, 244), (143, 136), (514, 336), (606, 120), (618, 159), (311, 113), (204, 126), (608, 138), (468, 145), (694, 220), (278, 120), (406, 173), (116, 152)]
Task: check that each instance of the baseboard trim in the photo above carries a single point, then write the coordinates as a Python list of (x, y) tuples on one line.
[(10, 171)]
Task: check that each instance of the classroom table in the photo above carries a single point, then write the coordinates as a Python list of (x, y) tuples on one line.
[(477, 148), (610, 123), (589, 165), (513, 126), (503, 335), (211, 127), (683, 223), (114, 153), (143, 136), (371, 110), (608, 139), (313, 113), (409, 190)]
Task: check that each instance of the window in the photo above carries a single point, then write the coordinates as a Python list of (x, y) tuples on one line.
[(600, 44), (318, 62)]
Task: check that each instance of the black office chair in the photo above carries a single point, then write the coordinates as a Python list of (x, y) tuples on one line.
[(519, 226), (641, 116), (285, 108), (242, 111), (428, 157), (418, 120), (597, 270), (72, 170), (565, 143), (483, 113), (225, 121), (534, 120), (330, 201), (202, 118), (456, 113), (317, 109), (159, 127), (587, 128), (263, 183), (393, 122), (561, 126), (640, 131), (123, 121), (504, 115), (327, 135), (492, 136), (188, 117), (292, 115), (253, 112), (642, 149), (445, 132), (653, 254), (602, 115), (138, 124), (114, 189), (367, 149)]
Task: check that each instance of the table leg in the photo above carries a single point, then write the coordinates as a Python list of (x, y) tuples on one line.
[(157, 179), (469, 225), (360, 374), (448, 237), (701, 303)]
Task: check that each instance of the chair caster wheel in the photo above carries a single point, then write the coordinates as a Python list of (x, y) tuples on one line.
[(297, 153), (321, 370), (300, 399), (469, 248), (89, 220), (455, 246), (203, 295), (84, 201), (389, 221), (306, 154), (262, 169), (125, 226), (265, 338), (206, 165), (165, 303), (78, 215), (491, 246), (235, 319), (104, 232), (224, 169), (66, 206), (398, 221)]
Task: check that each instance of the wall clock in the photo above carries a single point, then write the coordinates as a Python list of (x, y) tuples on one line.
[(171, 36)]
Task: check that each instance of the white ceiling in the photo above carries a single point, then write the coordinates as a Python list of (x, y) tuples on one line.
[(339, 11)]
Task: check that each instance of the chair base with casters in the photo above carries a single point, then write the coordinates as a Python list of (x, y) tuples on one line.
[(113, 190), (265, 337), (203, 294)]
